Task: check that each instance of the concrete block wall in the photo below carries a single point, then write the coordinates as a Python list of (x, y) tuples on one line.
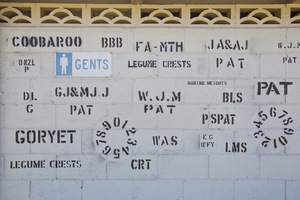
[(187, 114)]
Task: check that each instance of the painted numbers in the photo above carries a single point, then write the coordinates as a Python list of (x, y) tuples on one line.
[(114, 138), (278, 116)]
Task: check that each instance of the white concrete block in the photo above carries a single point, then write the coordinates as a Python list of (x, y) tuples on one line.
[(165, 40), (191, 140), (292, 41), (2, 62), (109, 90), (87, 142), (293, 92), (79, 115), (286, 167), (110, 189), (135, 65), (18, 116), (80, 167), (1, 167), (191, 120), (259, 189), (262, 43), (53, 189), (148, 142), (241, 116), (15, 91), (21, 65), (37, 166), (256, 145), (234, 66), (133, 167), (272, 90), (47, 69), (183, 65), (157, 91), (293, 143), (267, 91), (206, 91), (245, 91), (292, 190), (41, 90), (234, 166), (231, 41), (135, 115), (108, 40), (271, 141), (2, 114), (63, 141), (272, 66), (292, 61), (14, 190), (28, 39), (208, 190), (195, 40), (8, 144), (160, 190), (182, 167), (214, 141), (279, 116), (65, 90), (91, 91), (159, 142)]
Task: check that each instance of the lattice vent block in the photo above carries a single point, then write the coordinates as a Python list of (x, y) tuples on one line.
[(211, 15), (161, 15), (260, 15), (110, 15), (293, 14), (61, 14), (158, 15), (13, 14)]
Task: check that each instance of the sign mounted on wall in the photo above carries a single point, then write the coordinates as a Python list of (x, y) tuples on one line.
[(83, 64)]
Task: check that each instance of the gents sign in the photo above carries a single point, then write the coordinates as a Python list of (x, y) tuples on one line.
[(80, 64)]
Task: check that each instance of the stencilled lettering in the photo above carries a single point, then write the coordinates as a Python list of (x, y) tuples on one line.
[(44, 164), (36, 136), (228, 44), (165, 46), (70, 92), (268, 88), (41, 41), (218, 118), (230, 63), (289, 45), (164, 97), (112, 42)]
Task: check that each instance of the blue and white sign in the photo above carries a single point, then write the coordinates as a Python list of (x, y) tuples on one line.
[(83, 64)]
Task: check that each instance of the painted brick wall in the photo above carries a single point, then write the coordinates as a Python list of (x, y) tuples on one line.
[(187, 113)]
